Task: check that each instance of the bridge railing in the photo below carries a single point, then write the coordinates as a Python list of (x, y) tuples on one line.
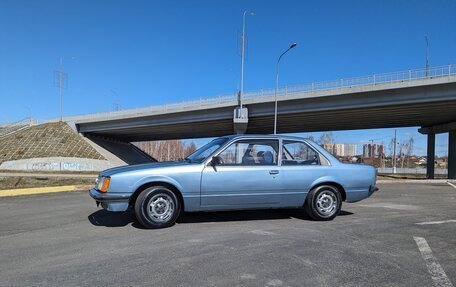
[(370, 80), (374, 79)]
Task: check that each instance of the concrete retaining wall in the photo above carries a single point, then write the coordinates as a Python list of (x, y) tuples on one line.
[(57, 164)]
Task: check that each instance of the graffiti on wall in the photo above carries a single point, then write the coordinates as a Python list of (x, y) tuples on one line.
[(64, 166)]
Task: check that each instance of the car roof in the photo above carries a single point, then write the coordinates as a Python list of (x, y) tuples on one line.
[(268, 136)]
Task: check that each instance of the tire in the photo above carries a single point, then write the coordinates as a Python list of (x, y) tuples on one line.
[(157, 207), (323, 203)]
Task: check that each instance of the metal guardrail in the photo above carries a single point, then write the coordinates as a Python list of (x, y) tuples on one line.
[(20, 122), (371, 80), (6, 129)]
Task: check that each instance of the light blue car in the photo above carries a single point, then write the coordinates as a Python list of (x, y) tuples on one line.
[(233, 173)]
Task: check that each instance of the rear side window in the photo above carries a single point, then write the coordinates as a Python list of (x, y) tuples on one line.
[(299, 153)]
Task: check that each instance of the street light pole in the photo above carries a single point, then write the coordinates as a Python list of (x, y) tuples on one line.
[(277, 85), (242, 56), (427, 55), (394, 153)]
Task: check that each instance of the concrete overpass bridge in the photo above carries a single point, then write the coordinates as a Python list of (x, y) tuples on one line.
[(424, 98)]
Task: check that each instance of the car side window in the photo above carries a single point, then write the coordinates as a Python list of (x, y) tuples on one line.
[(299, 153), (251, 153)]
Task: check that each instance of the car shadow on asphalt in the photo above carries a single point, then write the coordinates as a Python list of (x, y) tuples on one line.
[(111, 219), (247, 215), (119, 219)]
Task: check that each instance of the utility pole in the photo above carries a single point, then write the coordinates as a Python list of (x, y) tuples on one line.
[(402, 155), (241, 114), (243, 56), (427, 56), (394, 152), (60, 81), (60, 86), (116, 104), (29, 113), (116, 107)]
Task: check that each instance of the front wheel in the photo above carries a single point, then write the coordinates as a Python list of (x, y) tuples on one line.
[(323, 202), (157, 207)]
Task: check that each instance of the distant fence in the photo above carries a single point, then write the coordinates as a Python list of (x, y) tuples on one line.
[(370, 80), (442, 171)]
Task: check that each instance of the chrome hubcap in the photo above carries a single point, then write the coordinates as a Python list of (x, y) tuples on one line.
[(160, 207), (326, 203)]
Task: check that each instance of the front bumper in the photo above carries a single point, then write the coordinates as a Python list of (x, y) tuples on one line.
[(111, 201)]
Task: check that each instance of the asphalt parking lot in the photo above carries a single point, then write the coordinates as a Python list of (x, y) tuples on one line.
[(64, 240)]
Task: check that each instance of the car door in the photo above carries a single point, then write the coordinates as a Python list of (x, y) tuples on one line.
[(247, 177), (301, 165)]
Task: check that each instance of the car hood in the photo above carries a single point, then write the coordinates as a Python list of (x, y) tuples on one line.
[(137, 167)]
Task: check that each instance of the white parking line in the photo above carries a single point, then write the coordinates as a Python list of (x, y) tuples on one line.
[(436, 222), (262, 232), (451, 184), (433, 266)]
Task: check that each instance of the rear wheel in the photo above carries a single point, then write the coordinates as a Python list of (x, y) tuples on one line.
[(157, 207), (323, 202)]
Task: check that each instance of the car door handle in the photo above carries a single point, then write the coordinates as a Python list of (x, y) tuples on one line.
[(273, 172)]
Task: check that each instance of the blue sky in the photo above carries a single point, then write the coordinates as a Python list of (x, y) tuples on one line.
[(139, 53)]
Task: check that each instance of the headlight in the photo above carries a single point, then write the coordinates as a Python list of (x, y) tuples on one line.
[(102, 183)]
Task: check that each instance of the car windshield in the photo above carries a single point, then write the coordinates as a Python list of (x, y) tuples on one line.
[(201, 154)]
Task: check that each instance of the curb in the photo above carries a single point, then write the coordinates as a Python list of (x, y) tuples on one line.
[(416, 181), (41, 190), (3, 173)]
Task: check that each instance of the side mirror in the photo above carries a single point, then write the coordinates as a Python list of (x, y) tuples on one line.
[(216, 160)]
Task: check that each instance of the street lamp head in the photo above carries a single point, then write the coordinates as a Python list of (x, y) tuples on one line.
[(293, 45)]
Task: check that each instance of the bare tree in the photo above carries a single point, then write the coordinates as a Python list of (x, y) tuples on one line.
[(164, 150), (311, 137), (391, 147), (190, 148), (326, 138), (409, 149)]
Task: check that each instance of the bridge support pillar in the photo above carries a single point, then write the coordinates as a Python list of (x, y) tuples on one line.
[(449, 128), (240, 120), (452, 154), (430, 156)]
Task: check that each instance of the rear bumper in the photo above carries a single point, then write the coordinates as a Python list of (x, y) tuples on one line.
[(111, 201), (372, 189), (357, 195)]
